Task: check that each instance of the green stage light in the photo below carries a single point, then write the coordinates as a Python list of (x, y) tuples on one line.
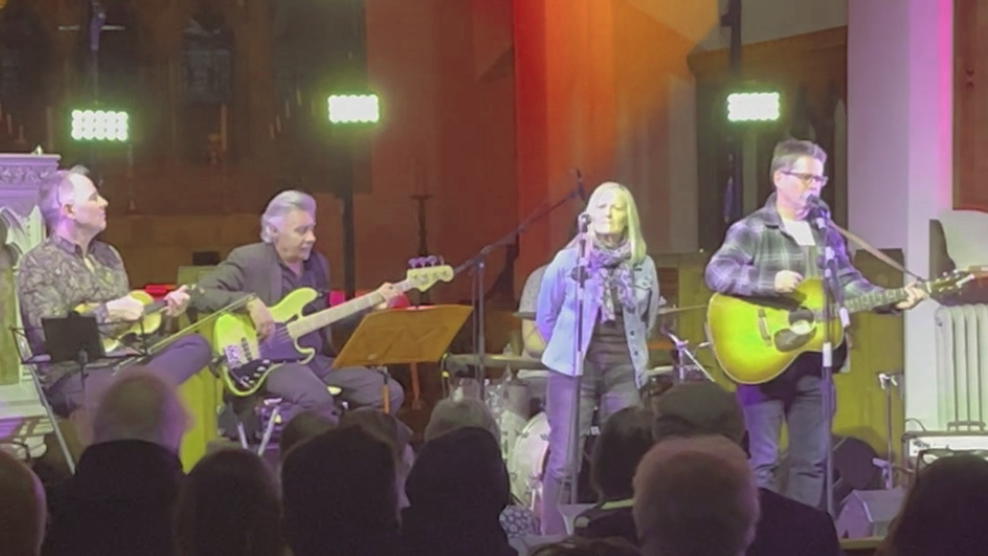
[(753, 107), (354, 109), (100, 125)]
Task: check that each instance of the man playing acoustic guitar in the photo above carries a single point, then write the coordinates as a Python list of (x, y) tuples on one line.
[(72, 271), (769, 253)]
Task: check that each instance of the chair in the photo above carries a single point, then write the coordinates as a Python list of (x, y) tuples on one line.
[(267, 409)]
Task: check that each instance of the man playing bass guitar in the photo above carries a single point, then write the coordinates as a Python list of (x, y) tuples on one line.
[(283, 262), (769, 253)]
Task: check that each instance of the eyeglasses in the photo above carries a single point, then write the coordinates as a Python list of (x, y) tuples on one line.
[(809, 178)]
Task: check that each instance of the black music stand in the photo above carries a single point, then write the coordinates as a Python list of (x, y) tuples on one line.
[(75, 338)]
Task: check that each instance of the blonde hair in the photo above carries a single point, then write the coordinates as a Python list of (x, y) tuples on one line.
[(633, 231)]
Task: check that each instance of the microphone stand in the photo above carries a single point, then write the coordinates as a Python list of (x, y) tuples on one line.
[(479, 262), (579, 357), (833, 295)]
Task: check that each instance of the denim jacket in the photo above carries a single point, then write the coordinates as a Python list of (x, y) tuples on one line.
[(555, 317)]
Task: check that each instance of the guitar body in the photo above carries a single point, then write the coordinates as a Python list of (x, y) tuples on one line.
[(756, 339), (248, 362), (130, 332)]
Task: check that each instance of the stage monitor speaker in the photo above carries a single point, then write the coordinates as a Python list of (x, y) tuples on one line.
[(867, 513)]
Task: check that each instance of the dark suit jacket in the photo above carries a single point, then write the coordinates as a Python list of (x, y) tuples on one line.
[(788, 527), (249, 269)]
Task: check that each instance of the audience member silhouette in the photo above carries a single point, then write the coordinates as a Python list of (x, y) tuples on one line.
[(229, 506), (23, 509), (119, 502), (338, 493)]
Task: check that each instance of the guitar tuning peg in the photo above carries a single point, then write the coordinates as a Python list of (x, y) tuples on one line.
[(413, 262), (442, 261), (431, 261)]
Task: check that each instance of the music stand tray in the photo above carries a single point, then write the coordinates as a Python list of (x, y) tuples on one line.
[(78, 339), (403, 336)]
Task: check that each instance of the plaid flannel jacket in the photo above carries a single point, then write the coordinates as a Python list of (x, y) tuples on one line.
[(758, 246)]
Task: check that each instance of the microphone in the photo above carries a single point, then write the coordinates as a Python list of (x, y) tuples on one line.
[(584, 220)]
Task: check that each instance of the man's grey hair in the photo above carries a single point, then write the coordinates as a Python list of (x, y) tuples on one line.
[(788, 151), (55, 189), (282, 204), (140, 405), (450, 415)]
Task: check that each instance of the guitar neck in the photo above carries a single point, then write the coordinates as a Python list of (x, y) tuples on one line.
[(326, 317), (882, 298)]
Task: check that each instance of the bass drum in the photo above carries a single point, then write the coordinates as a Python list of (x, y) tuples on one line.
[(528, 459), (525, 461)]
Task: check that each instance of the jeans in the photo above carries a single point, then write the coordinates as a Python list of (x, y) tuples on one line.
[(614, 389), (176, 363), (797, 397), (304, 387)]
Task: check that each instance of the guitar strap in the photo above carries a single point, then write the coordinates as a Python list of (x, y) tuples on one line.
[(875, 252)]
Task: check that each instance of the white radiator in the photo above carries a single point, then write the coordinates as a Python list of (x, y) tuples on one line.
[(962, 366)]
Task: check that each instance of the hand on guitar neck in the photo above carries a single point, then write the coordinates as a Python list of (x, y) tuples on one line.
[(786, 281)]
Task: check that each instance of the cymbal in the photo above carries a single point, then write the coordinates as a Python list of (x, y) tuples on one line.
[(496, 361), (662, 311)]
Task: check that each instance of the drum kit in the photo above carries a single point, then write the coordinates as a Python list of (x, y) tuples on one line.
[(525, 427)]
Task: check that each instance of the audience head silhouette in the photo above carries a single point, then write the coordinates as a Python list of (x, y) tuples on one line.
[(943, 511), (698, 408), (577, 546), (140, 405), (457, 490), (696, 497), (228, 506), (302, 427), (338, 492), (449, 415), (23, 509), (626, 437)]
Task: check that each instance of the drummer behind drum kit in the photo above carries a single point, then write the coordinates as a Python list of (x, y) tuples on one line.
[(525, 430)]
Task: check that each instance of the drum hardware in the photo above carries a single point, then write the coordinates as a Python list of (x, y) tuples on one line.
[(685, 358)]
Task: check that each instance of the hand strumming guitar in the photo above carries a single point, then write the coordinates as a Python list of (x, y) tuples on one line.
[(124, 309), (786, 281), (261, 315)]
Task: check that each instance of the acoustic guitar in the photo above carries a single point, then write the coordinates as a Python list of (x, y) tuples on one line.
[(756, 339), (126, 333), (247, 362)]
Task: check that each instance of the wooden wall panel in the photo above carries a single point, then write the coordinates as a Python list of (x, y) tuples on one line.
[(970, 104)]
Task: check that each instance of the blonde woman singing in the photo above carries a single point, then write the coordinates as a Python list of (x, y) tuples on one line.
[(620, 305)]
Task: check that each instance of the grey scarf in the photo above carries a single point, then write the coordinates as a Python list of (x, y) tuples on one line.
[(613, 266)]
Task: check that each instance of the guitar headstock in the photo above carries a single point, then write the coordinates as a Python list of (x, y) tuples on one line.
[(950, 282), (425, 272)]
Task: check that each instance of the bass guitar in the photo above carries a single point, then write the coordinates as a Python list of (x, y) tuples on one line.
[(756, 339), (247, 362)]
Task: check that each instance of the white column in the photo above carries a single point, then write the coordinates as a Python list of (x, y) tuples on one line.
[(900, 137)]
